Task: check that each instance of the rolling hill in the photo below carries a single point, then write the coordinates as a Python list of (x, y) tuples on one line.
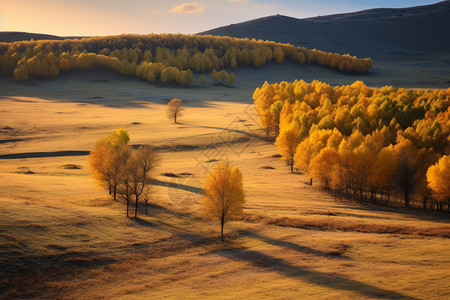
[(377, 33), (14, 36), (409, 46)]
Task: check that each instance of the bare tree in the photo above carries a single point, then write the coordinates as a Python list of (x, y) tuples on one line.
[(146, 196), (175, 109), (124, 184), (142, 162)]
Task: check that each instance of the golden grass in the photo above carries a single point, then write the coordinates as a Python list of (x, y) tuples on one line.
[(62, 237), (320, 224)]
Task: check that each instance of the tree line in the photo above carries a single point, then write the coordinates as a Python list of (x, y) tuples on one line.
[(149, 56), (378, 144)]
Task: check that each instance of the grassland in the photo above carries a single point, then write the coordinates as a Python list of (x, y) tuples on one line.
[(62, 237)]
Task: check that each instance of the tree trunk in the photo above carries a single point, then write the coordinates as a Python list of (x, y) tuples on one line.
[(221, 229), (145, 208), (310, 181), (291, 162), (136, 207), (115, 191), (406, 196), (109, 189), (128, 202), (175, 118)]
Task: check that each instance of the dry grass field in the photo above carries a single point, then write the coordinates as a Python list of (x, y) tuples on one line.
[(62, 237)]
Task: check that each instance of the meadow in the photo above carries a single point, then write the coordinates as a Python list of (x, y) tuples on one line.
[(61, 236)]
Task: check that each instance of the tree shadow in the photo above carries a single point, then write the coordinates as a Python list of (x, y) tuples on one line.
[(271, 263), (103, 87), (290, 245), (177, 185), (228, 129), (44, 154), (329, 280)]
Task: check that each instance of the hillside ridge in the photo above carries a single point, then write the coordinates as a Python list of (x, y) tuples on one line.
[(376, 33)]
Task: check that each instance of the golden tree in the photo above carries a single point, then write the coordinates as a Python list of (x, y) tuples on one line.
[(224, 194), (108, 159), (175, 109), (278, 54), (406, 163), (230, 79), (438, 176), (287, 142), (203, 80), (382, 176), (323, 164)]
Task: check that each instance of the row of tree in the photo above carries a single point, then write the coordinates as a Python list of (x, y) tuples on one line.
[(364, 143), (184, 52), (127, 172), (50, 65)]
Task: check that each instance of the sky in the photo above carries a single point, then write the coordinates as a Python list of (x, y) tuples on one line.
[(110, 17)]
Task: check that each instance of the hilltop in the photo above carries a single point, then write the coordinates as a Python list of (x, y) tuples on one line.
[(14, 36), (376, 33), (406, 45)]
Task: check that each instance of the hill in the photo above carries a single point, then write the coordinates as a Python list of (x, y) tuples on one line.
[(15, 36), (377, 33)]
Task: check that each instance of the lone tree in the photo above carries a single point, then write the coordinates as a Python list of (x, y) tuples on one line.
[(224, 194), (175, 109)]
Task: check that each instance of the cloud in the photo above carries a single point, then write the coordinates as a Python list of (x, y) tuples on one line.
[(187, 8), (238, 1)]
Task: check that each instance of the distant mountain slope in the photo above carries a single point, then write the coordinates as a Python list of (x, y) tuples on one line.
[(13, 36), (378, 33)]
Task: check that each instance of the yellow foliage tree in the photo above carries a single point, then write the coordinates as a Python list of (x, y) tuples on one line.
[(108, 159), (287, 142), (224, 195), (406, 163), (278, 54), (438, 176), (382, 176), (323, 164)]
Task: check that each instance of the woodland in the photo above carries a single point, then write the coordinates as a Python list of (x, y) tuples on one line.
[(169, 58), (382, 144)]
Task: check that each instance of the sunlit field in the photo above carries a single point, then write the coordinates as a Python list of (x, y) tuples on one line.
[(62, 236)]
